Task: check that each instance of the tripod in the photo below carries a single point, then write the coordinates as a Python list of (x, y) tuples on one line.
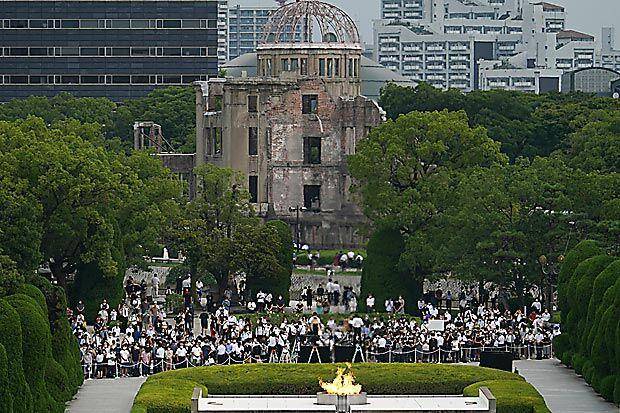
[(358, 350), (315, 350)]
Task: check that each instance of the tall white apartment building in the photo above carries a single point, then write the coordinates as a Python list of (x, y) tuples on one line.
[(245, 28), (448, 43), (222, 32), (608, 57)]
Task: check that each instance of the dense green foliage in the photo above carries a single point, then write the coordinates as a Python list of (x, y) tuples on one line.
[(6, 400), (220, 236), (590, 296), (497, 190), (170, 392), (36, 343), (280, 282), (11, 339), (173, 108), (512, 397), (45, 359), (68, 201), (525, 124), (382, 275)]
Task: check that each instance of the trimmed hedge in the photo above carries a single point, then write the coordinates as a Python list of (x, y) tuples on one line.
[(382, 275), (6, 401), (36, 294), (170, 392), (36, 346), (589, 296), (11, 339), (512, 397), (175, 399)]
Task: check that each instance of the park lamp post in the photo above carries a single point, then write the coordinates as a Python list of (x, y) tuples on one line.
[(297, 209)]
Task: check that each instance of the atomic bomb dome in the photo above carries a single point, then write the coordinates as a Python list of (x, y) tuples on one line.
[(310, 21)]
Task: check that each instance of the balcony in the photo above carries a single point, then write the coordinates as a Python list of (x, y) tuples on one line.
[(459, 48), (436, 58), (412, 58), (391, 5), (435, 48), (412, 67), (523, 84), (459, 67), (435, 67), (388, 49), (412, 48)]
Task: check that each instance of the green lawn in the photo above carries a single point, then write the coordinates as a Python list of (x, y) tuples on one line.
[(170, 392)]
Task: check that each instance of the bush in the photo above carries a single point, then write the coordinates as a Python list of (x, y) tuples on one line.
[(560, 344), (175, 399), (11, 339), (66, 351), (582, 251), (588, 371), (6, 401), (36, 345), (512, 396), (567, 358), (57, 382), (617, 390), (578, 362), (170, 392), (607, 387), (36, 294), (382, 275)]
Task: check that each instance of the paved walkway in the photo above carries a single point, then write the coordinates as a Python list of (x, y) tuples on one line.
[(106, 396), (563, 390)]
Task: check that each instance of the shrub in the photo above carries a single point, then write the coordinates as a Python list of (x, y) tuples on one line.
[(588, 371), (607, 387), (155, 394), (11, 339), (6, 401), (512, 396), (382, 275), (175, 398), (567, 358), (36, 294), (66, 351), (577, 363), (57, 382), (560, 344), (36, 345), (582, 251), (617, 390)]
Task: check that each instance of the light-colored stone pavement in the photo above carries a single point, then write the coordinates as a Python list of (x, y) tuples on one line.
[(106, 396), (563, 390)]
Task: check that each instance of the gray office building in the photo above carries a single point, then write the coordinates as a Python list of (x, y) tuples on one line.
[(116, 49)]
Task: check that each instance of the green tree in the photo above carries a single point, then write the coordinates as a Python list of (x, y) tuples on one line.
[(406, 171), (218, 233)]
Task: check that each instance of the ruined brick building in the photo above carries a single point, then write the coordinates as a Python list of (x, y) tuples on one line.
[(288, 116)]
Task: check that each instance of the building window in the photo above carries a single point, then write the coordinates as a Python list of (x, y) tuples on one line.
[(309, 104), (304, 66), (321, 67), (253, 188), (312, 150), (312, 197), (252, 104), (252, 141), (217, 141)]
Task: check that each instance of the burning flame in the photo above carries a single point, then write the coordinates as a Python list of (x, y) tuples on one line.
[(343, 384)]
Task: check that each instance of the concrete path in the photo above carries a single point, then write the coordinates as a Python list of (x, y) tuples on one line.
[(106, 395), (563, 390)]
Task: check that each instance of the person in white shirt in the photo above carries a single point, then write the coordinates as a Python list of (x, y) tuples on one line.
[(370, 303), (357, 323), (155, 285)]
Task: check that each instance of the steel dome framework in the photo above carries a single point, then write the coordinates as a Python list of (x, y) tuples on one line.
[(296, 23)]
